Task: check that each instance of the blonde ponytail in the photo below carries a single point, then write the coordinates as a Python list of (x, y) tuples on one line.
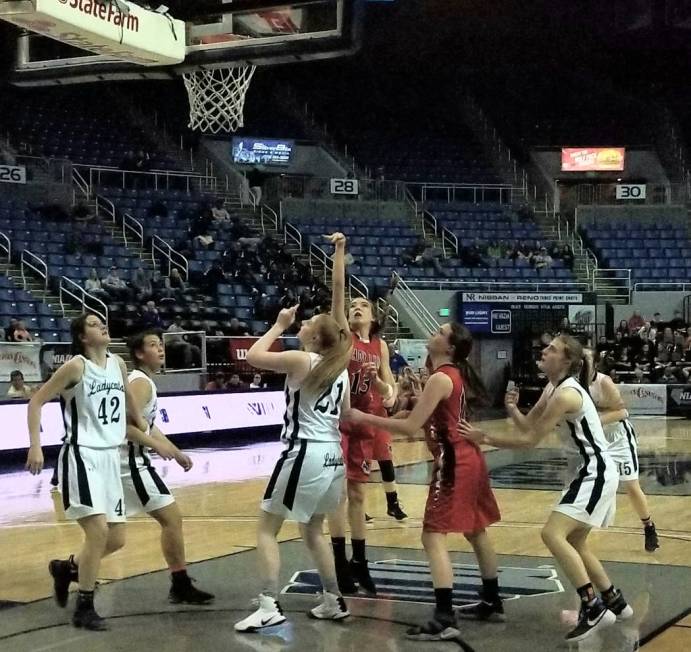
[(336, 347)]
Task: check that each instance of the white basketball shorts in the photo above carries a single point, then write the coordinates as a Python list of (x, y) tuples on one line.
[(143, 488), (308, 479), (623, 449), (89, 481)]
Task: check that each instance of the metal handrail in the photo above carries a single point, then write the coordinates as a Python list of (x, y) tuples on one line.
[(7, 248), (411, 201), (132, 224), (682, 286), (449, 236), (161, 246), (81, 184), (193, 180), (523, 286), (322, 258), (429, 221), (390, 313), (357, 287), (80, 295), (271, 216), (38, 265), (106, 207), (417, 308), (479, 190), (289, 231)]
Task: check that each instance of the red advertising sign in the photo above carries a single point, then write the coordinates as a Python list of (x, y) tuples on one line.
[(238, 351), (592, 159)]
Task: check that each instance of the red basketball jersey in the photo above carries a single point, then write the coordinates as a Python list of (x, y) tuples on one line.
[(442, 428), (363, 393)]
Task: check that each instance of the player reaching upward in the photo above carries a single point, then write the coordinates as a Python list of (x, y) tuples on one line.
[(372, 388), (460, 499), (96, 403), (308, 479)]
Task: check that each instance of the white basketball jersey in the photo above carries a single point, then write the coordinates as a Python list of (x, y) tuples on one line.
[(613, 431), (582, 433), (93, 410), (149, 410), (314, 416)]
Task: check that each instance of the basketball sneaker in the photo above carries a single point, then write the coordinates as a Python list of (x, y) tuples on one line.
[(618, 606), (442, 627), (331, 607), (360, 573), (182, 591), (590, 619), (489, 611), (394, 510), (268, 614), (651, 541), (63, 572), (85, 616)]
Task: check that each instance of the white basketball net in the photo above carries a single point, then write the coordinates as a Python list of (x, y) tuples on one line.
[(217, 98)]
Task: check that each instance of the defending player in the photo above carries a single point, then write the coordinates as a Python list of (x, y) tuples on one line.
[(460, 499), (96, 403), (372, 389)]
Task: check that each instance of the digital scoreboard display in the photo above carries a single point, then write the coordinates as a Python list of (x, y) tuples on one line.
[(262, 151)]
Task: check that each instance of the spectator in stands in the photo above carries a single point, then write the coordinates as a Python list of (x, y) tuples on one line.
[(520, 251), (623, 364), (9, 331), (644, 357), (495, 250), (82, 213), (161, 287), (669, 377), (20, 333), (115, 286), (602, 344), (238, 328), (410, 255), (257, 382), (472, 256), (614, 376), (541, 260), (623, 327), (646, 333), (677, 323), (656, 321), (564, 327), (93, 286), (639, 375), (213, 277), (635, 322), (217, 384), (396, 361), (149, 319), (190, 354), (255, 180), (141, 283), (219, 212), (200, 229), (142, 161), (177, 283), (17, 388), (235, 384), (667, 336)]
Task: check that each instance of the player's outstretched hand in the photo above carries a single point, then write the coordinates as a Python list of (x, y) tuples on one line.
[(353, 415), (183, 460), (286, 317), (336, 239), (467, 430), (511, 399), (34, 460)]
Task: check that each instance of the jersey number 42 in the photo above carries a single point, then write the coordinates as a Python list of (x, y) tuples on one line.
[(109, 414)]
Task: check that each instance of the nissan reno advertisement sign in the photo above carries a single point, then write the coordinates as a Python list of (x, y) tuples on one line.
[(592, 159)]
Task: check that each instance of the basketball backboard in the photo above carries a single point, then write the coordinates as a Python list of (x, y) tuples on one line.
[(218, 33)]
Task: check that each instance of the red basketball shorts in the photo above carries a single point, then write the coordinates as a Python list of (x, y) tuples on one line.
[(460, 498), (358, 442)]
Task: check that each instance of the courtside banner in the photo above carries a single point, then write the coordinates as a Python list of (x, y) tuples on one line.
[(644, 399), (178, 414), (678, 400), (23, 357), (138, 36), (523, 297)]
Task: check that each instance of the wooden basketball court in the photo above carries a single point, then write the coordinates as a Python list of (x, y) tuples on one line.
[(220, 497)]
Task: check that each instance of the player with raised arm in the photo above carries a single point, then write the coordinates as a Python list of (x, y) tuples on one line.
[(460, 499), (96, 403), (372, 388), (589, 498), (308, 479)]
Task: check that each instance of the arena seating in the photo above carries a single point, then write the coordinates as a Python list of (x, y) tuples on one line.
[(658, 252)]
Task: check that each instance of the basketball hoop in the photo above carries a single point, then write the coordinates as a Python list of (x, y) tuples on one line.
[(217, 97)]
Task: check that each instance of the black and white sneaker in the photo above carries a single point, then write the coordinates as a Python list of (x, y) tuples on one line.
[(652, 543), (63, 572), (590, 619), (268, 614), (360, 573), (485, 610), (331, 607), (618, 606), (395, 511), (442, 627)]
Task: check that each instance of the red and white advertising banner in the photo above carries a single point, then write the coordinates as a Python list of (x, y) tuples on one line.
[(592, 159)]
